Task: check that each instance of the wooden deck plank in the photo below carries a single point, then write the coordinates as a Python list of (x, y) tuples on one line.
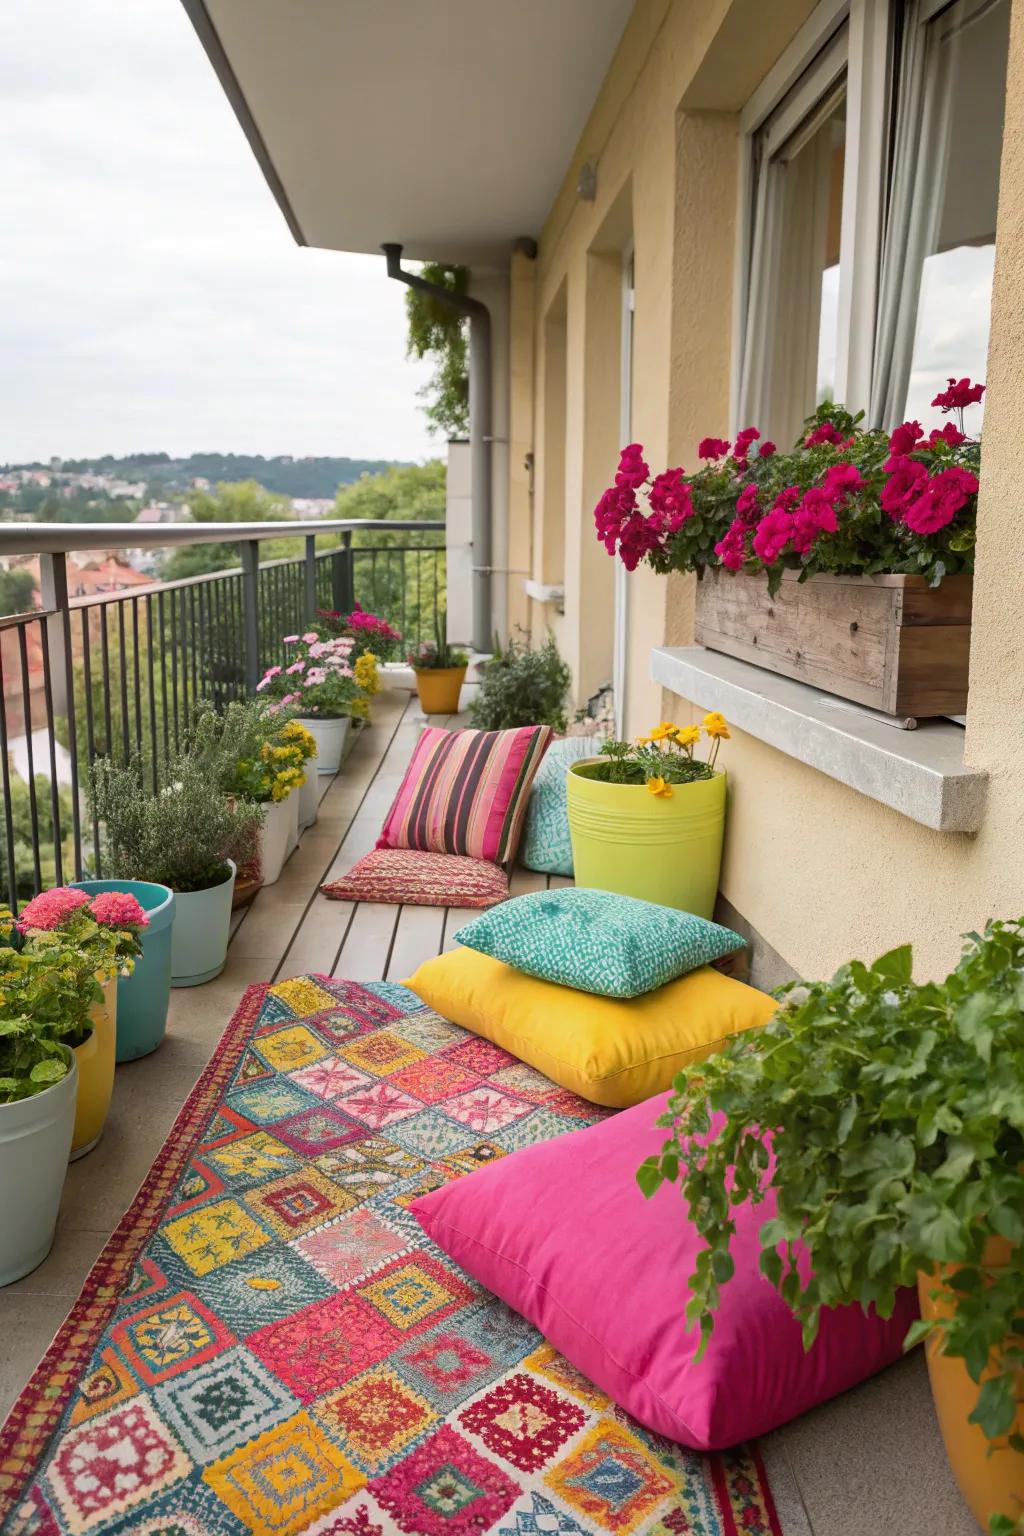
[(367, 944), (418, 937)]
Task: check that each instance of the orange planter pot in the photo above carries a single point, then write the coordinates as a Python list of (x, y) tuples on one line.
[(439, 689), (992, 1484)]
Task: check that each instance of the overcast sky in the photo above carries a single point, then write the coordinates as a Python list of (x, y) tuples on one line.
[(151, 296)]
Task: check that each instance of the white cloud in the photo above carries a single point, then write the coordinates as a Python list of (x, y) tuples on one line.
[(153, 297)]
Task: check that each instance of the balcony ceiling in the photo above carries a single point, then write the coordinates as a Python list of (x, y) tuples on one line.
[(445, 125)]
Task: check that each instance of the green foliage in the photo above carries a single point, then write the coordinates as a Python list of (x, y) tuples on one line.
[(624, 762), (406, 493), (437, 655), (24, 838), (896, 1113), (16, 588), (242, 501), (46, 992), (441, 333), (180, 837), (522, 686)]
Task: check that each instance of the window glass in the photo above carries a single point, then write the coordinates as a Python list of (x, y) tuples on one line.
[(969, 44)]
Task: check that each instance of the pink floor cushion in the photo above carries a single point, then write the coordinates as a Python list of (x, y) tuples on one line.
[(407, 877), (561, 1232)]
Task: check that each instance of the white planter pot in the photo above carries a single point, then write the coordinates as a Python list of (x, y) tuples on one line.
[(398, 674), (35, 1139), (329, 736), (292, 803), (275, 838), (308, 797), (199, 938)]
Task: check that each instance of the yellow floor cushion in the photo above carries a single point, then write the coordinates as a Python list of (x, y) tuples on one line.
[(613, 1051)]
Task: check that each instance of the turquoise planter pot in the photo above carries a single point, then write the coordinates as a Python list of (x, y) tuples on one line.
[(142, 997)]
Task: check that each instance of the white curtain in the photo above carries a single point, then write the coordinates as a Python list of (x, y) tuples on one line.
[(920, 155)]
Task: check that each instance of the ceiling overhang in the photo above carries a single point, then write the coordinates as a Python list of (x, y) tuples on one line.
[(446, 126)]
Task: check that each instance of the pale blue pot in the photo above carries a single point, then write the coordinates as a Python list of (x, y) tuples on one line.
[(202, 927), (143, 997)]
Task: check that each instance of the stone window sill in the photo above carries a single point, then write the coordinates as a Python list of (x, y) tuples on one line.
[(919, 773)]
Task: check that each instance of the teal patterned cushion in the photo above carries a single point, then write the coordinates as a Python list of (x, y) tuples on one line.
[(545, 845), (597, 941)]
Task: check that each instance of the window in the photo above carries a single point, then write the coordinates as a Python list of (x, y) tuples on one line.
[(791, 341), (939, 247), (868, 225)]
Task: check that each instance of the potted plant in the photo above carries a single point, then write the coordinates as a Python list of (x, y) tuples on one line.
[(188, 837), (520, 685), (440, 672), (368, 630), (61, 927), (647, 819), (143, 994), (39, 1004), (320, 686), (896, 1119), (258, 754), (845, 562)]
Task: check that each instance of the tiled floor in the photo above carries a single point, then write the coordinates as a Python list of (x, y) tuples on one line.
[(868, 1464)]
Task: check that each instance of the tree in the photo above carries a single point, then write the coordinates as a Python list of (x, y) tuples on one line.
[(25, 837), (239, 501), (440, 332), (16, 588)]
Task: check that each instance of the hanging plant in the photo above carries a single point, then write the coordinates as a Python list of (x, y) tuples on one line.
[(441, 333)]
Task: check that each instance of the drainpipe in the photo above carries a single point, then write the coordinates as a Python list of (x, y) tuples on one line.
[(480, 438)]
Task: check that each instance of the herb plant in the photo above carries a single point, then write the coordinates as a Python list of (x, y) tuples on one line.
[(843, 501), (896, 1116), (180, 837), (522, 686)]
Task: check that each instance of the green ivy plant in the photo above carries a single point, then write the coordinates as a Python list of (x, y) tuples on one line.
[(439, 332), (522, 686), (896, 1115)]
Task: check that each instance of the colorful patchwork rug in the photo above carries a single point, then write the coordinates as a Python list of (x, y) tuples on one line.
[(270, 1344)]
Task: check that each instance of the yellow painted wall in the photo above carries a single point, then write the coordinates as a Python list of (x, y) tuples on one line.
[(820, 871)]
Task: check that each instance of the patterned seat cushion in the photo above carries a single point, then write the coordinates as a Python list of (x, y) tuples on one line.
[(465, 792), (407, 878), (546, 845), (597, 941)]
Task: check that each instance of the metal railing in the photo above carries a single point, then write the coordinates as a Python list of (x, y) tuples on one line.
[(119, 673)]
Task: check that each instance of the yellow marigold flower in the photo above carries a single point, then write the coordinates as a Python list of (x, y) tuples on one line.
[(688, 735), (663, 731), (657, 786), (716, 725)]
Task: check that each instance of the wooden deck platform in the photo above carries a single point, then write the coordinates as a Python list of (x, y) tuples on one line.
[(866, 1464)]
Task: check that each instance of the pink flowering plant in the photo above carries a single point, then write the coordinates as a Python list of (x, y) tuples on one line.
[(106, 927), (317, 679), (369, 630), (843, 501), (45, 998)]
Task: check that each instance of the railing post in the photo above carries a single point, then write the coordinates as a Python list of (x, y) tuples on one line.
[(343, 584), (310, 594), (53, 593), (250, 553)]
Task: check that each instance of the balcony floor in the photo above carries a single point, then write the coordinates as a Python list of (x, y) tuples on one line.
[(869, 1463)]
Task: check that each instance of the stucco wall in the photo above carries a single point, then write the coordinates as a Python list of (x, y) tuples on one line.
[(820, 871)]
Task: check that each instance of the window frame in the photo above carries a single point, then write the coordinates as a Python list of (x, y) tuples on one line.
[(862, 32)]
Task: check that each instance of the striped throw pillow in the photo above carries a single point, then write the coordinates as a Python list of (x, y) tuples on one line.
[(465, 792)]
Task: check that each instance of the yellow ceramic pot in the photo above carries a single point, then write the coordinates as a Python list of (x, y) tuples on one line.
[(992, 1484), (95, 1059), (439, 689), (661, 848)]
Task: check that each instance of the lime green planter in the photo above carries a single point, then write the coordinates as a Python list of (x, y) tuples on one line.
[(666, 849)]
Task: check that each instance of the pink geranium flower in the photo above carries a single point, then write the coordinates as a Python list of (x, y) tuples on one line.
[(50, 909), (118, 909)]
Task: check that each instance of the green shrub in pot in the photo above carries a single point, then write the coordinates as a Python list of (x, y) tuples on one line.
[(896, 1116), (521, 685)]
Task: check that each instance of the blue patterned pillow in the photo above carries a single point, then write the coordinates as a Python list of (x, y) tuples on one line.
[(597, 941), (545, 845)]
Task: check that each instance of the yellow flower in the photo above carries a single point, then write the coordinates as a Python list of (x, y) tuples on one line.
[(688, 735), (644, 741), (657, 786), (365, 673), (663, 731), (716, 725)]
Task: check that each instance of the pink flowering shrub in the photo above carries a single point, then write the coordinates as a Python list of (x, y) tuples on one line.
[(118, 909), (371, 631), (319, 680), (104, 928), (844, 500)]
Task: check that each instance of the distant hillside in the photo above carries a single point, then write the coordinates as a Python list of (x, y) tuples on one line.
[(313, 477)]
